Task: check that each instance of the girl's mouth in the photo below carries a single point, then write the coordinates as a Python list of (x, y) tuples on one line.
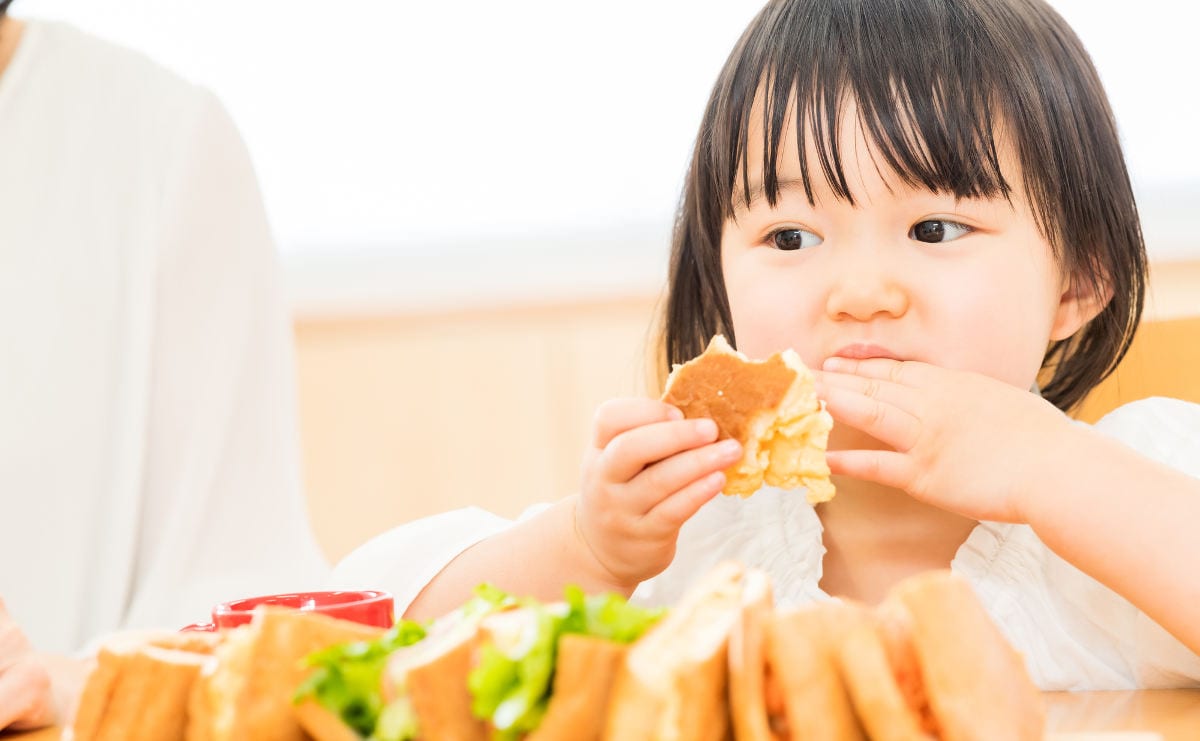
[(864, 350)]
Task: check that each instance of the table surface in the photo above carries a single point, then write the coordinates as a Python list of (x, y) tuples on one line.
[(1143, 715)]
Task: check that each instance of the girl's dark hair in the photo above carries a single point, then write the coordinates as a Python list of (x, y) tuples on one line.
[(4, 6), (934, 82)]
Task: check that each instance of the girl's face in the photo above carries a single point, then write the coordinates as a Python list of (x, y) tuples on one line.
[(904, 273)]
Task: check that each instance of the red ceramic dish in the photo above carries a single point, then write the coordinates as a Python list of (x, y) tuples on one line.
[(368, 607)]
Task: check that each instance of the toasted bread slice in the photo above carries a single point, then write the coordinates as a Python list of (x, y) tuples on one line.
[(674, 681), (248, 693), (801, 652), (769, 406), (752, 696), (323, 725), (137, 692), (96, 694), (432, 674), (197, 642), (976, 683), (883, 708), (584, 674)]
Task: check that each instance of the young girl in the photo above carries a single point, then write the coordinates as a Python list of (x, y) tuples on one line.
[(927, 201)]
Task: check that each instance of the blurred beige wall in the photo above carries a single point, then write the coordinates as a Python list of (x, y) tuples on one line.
[(407, 415)]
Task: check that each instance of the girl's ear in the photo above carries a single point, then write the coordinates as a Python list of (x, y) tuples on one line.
[(1081, 301)]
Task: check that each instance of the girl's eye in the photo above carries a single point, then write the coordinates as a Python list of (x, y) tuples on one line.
[(937, 230), (794, 239)]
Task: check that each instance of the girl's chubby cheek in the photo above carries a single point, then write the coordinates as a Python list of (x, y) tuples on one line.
[(762, 344)]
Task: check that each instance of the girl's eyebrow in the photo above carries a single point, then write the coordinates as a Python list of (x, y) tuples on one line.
[(757, 192)]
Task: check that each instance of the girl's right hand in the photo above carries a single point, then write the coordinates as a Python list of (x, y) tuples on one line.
[(647, 471)]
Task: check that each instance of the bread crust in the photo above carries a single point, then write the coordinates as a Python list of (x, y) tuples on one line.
[(583, 681), (975, 681), (321, 724), (674, 682), (750, 677), (258, 668), (137, 692), (870, 681), (802, 654), (769, 406)]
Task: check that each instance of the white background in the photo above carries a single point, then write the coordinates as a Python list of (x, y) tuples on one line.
[(540, 143)]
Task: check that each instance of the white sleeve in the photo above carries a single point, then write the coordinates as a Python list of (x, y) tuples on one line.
[(406, 558), (1076, 633), (223, 514), (1167, 431)]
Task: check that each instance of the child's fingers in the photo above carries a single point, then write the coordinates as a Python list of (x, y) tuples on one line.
[(658, 481), (904, 397), (620, 415), (633, 450), (670, 514), (904, 372), (881, 420), (880, 466)]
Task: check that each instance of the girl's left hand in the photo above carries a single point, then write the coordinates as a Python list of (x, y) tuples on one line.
[(960, 441), (26, 697)]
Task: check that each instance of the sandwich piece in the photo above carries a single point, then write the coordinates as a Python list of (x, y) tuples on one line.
[(197, 642), (926, 664), (674, 681), (137, 692), (496, 668), (973, 681), (342, 697), (584, 672), (580, 643), (884, 683), (407, 684), (801, 657), (247, 693), (754, 697), (769, 406), (425, 685), (817, 672), (322, 724)]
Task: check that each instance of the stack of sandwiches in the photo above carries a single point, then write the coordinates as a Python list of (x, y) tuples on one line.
[(928, 663)]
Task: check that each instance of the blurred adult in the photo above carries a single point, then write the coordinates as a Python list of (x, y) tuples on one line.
[(149, 462)]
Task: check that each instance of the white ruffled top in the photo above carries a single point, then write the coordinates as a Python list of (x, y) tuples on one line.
[(1074, 632)]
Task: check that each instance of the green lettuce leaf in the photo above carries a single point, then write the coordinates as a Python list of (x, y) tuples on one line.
[(510, 685), (397, 722), (346, 678), (607, 616)]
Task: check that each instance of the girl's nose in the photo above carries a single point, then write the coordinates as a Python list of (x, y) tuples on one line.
[(862, 292)]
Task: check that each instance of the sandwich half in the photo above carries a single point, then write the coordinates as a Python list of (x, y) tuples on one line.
[(769, 406), (884, 683), (674, 681), (137, 692), (801, 656), (247, 693), (974, 683)]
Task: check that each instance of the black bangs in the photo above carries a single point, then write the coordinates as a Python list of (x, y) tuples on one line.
[(937, 86), (922, 83)]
